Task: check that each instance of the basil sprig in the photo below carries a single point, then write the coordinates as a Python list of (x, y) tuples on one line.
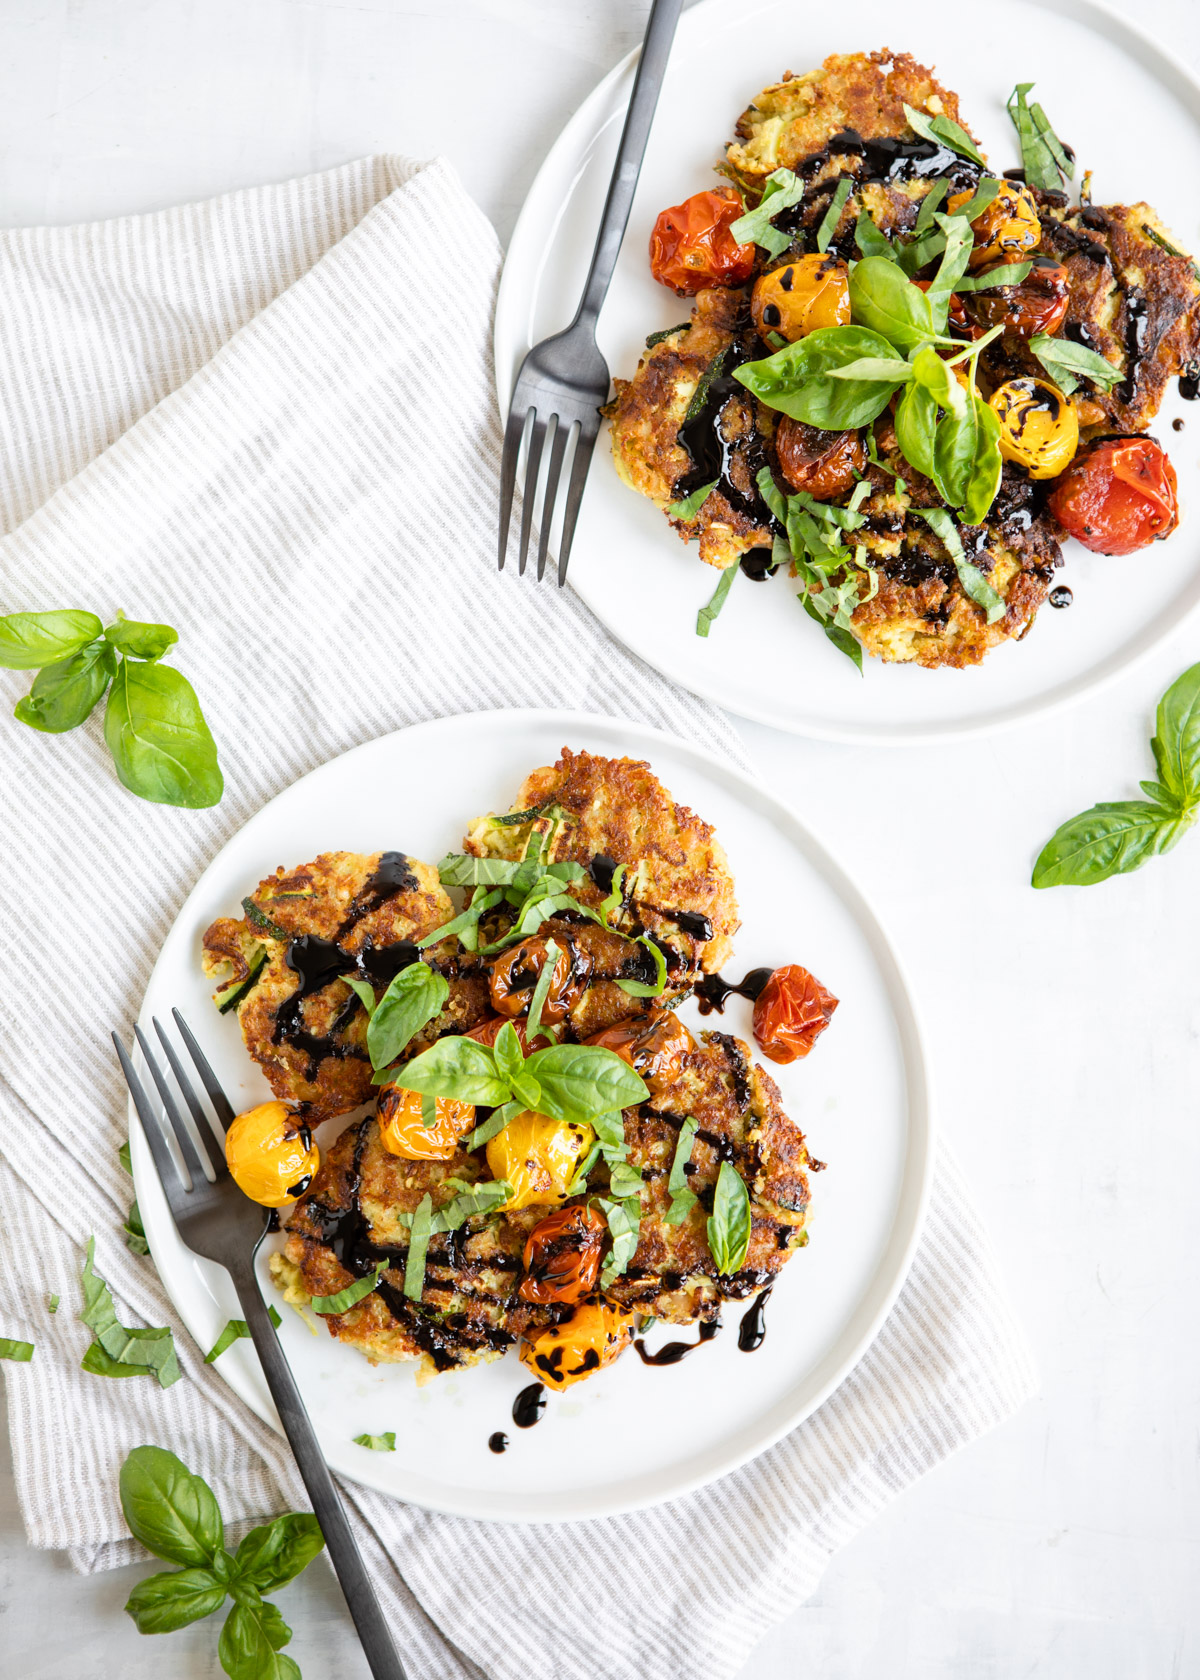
[(729, 1225), (1067, 362), (535, 889), (160, 744), (116, 1350), (236, 1330), (1115, 839), (377, 1443), (175, 1516), (1044, 158), (780, 191), (944, 132)]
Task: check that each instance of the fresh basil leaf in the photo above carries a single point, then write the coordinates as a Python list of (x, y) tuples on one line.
[(29, 640), (610, 1131), (363, 992), (147, 1351), (125, 1158), (678, 1178), (247, 1646), (166, 1602), (781, 190), (1008, 274), (428, 1110), (639, 988), (158, 738), (271, 1556), (353, 1293), (939, 379), (464, 924), (538, 1002), (1037, 156), (871, 241), (1053, 144), (418, 1245), (771, 494), (792, 380), (492, 1126), (235, 1331), (730, 1224), (172, 1512), (884, 301), (479, 1199), (1107, 840), (52, 1303), (624, 1224), (580, 1081), (527, 1091), (942, 131), (666, 332), (955, 256), (1062, 355), (20, 1353), (135, 1231), (982, 482), (64, 694), (690, 506), (916, 431), (875, 370), (1176, 742), (413, 998), (833, 215), (624, 1180), (458, 1068), (140, 641), (711, 609), (932, 201), (578, 1184), (974, 584), (682, 1203), (459, 870), (845, 641), (377, 1443)]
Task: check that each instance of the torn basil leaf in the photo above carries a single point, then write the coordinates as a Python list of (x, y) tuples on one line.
[(624, 1224), (639, 988), (1041, 148), (781, 191), (20, 1353), (709, 613), (353, 1293), (538, 1001), (833, 215), (377, 1443), (972, 579), (418, 1246), (690, 506), (235, 1331), (942, 131), (118, 1351), (1067, 362)]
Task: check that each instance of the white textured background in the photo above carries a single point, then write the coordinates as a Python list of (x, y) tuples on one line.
[(1064, 1026)]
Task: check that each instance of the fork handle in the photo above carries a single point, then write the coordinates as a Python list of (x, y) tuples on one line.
[(656, 48), (327, 1505)]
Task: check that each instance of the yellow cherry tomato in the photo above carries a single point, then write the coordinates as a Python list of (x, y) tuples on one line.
[(1039, 428), (271, 1154), (402, 1129), (538, 1157), (594, 1336), (1007, 230), (812, 292)]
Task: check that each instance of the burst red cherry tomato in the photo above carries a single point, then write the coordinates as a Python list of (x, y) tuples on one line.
[(1117, 496), (790, 1013), (823, 463), (1037, 304), (562, 1255), (691, 246)]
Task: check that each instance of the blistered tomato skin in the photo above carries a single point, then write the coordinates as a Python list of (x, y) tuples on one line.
[(515, 973), (403, 1132), (538, 1157), (562, 1256), (655, 1049), (811, 292), (790, 1013), (1037, 304), (691, 246), (594, 1336), (1039, 428), (488, 1031), (1007, 229), (1118, 496), (826, 464), (271, 1155)]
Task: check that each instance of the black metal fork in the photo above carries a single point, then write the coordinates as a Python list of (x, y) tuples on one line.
[(216, 1221)]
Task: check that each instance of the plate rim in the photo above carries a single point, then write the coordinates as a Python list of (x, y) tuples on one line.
[(919, 1095), (506, 336)]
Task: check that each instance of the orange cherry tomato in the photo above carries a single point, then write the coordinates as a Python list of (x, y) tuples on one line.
[(823, 463), (654, 1048), (1037, 304), (593, 1337), (562, 1255), (515, 973), (692, 248), (800, 297), (790, 1013), (404, 1132), (1117, 496)]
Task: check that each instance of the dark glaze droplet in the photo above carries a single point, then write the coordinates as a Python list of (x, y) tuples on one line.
[(752, 1331), (771, 316), (529, 1406), (602, 869), (1189, 382), (300, 1186), (1061, 597), (713, 992), (675, 1351), (498, 1442), (1177, 424), (690, 921), (758, 564)]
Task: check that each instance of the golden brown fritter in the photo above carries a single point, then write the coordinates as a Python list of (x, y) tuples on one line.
[(345, 912), (740, 1119), (677, 885)]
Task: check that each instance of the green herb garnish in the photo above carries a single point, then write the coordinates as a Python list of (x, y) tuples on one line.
[(944, 132), (1044, 158), (683, 1199), (972, 579), (52, 1303), (1009, 274), (665, 332), (639, 988), (377, 1443), (624, 1224), (235, 1331), (418, 1245), (780, 191), (353, 1293), (833, 214), (413, 998), (541, 992), (1067, 362), (117, 1351), (20, 1353), (712, 607), (690, 506), (729, 1224)]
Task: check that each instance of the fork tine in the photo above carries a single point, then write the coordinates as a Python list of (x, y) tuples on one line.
[(533, 461), (514, 432), (562, 436), (183, 1136), (584, 445), (173, 1186), (216, 1096), (203, 1122)]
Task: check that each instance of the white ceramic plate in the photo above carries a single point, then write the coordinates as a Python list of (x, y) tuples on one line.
[(632, 1435), (1133, 117)]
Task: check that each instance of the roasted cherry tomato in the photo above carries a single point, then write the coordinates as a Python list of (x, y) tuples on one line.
[(488, 1031), (1117, 496), (1039, 429), (1037, 304), (271, 1154), (538, 1157), (1007, 230), (593, 1337), (823, 463), (691, 246), (515, 973), (403, 1131), (562, 1255), (655, 1048), (801, 296), (956, 313), (790, 1013)]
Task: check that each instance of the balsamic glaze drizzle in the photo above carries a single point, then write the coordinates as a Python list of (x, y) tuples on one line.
[(752, 1331), (529, 1406), (675, 1351), (713, 992), (498, 1442)]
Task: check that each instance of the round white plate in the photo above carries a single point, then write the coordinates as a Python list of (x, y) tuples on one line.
[(632, 1435), (1133, 117)]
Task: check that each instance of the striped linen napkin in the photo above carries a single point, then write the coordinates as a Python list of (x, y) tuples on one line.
[(269, 420)]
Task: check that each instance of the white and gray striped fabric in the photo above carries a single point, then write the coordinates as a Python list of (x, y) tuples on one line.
[(269, 420)]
